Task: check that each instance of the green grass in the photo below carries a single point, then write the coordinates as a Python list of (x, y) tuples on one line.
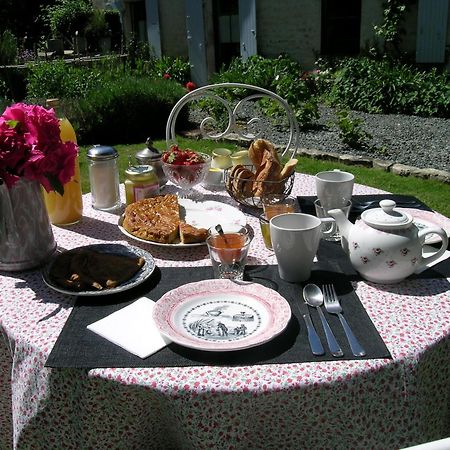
[(434, 193)]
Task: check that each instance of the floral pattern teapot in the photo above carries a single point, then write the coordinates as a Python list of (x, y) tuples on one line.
[(385, 246)]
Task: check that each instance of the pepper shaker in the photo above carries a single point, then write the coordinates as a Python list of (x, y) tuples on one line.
[(151, 156), (104, 177)]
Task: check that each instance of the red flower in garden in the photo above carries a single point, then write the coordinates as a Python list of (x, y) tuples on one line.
[(31, 147), (190, 86), (167, 76)]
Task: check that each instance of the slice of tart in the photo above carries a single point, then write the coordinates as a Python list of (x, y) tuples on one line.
[(154, 219), (191, 235)]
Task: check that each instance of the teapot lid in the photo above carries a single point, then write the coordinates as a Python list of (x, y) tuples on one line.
[(386, 216)]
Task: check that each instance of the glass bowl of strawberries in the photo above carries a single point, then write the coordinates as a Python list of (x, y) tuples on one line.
[(185, 168)]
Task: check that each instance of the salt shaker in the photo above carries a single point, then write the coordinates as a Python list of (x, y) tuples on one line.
[(151, 156), (104, 177)]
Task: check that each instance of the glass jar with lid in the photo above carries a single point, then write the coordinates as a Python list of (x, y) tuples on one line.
[(141, 182), (104, 177)]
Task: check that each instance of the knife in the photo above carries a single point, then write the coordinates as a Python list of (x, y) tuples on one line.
[(314, 339)]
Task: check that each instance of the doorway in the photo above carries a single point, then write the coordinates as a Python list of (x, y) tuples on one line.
[(226, 31), (341, 27)]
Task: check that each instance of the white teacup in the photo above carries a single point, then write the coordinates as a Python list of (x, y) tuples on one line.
[(221, 158), (295, 240), (241, 157), (334, 188)]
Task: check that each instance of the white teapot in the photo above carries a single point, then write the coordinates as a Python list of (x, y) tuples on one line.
[(385, 246)]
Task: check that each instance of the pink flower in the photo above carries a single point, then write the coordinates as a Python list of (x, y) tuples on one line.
[(31, 147), (190, 86), (166, 76)]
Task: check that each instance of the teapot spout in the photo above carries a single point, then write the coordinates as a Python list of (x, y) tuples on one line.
[(344, 226)]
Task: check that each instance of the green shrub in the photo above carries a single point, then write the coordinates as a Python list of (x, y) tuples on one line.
[(13, 82), (176, 68), (8, 48), (351, 132), (384, 86), (124, 111), (65, 17), (281, 75), (58, 79)]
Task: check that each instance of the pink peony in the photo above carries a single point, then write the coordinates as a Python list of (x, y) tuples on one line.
[(31, 147), (190, 86)]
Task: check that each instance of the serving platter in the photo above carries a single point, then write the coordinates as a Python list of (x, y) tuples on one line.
[(202, 214), (117, 249), (221, 315), (425, 219)]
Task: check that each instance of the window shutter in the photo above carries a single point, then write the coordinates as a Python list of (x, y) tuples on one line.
[(431, 31)]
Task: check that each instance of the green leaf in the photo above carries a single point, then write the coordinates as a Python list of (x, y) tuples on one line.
[(55, 184), (12, 123)]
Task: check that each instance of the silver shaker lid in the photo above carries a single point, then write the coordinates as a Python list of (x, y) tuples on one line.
[(102, 153)]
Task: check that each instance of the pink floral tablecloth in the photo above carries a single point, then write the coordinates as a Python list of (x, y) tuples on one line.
[(339, 404)]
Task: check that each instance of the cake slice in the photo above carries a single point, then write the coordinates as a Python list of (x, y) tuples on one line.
[(191, 235), (154, 219)]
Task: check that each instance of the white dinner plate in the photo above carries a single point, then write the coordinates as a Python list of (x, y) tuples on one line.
[(200, 215), (117, 249), (424, 219), (221, 315)]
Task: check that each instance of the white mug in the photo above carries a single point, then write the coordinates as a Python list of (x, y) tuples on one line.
[(334, 188), (221, 158), (295, 240)]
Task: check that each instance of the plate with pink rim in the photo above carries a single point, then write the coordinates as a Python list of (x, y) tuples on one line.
[(221, 315), (425, 219)]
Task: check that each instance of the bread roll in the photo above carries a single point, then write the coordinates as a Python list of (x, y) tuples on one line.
[(288, 168)]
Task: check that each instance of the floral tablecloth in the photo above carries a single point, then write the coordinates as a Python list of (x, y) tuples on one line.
[(339, 404)]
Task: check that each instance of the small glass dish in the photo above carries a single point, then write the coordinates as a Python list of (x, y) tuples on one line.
[(187, 176)]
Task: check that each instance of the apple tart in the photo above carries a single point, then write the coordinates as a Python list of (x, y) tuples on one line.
[(157, 219)]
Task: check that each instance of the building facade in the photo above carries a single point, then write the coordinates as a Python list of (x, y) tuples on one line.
[(211, 32)]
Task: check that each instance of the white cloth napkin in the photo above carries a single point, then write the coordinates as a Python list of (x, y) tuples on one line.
[(132, 328)]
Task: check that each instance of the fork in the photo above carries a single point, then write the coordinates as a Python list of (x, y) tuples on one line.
[(332, 305)]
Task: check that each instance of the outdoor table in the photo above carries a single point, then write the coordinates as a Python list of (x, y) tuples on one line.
[(369, 403)]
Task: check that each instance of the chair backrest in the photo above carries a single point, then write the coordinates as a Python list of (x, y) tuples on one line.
[(246, 119)]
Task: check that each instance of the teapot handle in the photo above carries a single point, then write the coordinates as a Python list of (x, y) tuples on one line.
[(443, 235)]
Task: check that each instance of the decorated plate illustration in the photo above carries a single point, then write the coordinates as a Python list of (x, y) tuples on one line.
[(117, 249), (201, 215), (221, 315)]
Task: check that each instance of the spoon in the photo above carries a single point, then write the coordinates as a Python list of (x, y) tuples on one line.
[(219, 229), (314, 297)]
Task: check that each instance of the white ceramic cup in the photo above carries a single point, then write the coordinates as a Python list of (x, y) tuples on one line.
[(221, 158), (241, 157), (334, 188), (295, 240)]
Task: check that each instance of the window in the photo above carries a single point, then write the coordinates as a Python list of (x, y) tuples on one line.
[(226, 30), (341, 24)]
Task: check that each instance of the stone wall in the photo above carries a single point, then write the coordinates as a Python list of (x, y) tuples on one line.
[(293, 28)]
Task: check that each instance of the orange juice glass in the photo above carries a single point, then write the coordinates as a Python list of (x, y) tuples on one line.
[(228, 252), (66, 209), (276, 205)]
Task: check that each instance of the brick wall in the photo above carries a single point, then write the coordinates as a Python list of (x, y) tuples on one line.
[(292, 27)]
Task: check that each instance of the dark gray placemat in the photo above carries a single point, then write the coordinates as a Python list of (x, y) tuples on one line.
[(79, 347), (361, 203)]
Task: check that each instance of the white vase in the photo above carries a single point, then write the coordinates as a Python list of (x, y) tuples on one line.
[(26, 236)]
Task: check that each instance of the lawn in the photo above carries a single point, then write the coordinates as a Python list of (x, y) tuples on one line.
[(434, 193)]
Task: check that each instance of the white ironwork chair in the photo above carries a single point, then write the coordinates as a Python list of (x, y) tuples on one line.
[(244, 117)]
